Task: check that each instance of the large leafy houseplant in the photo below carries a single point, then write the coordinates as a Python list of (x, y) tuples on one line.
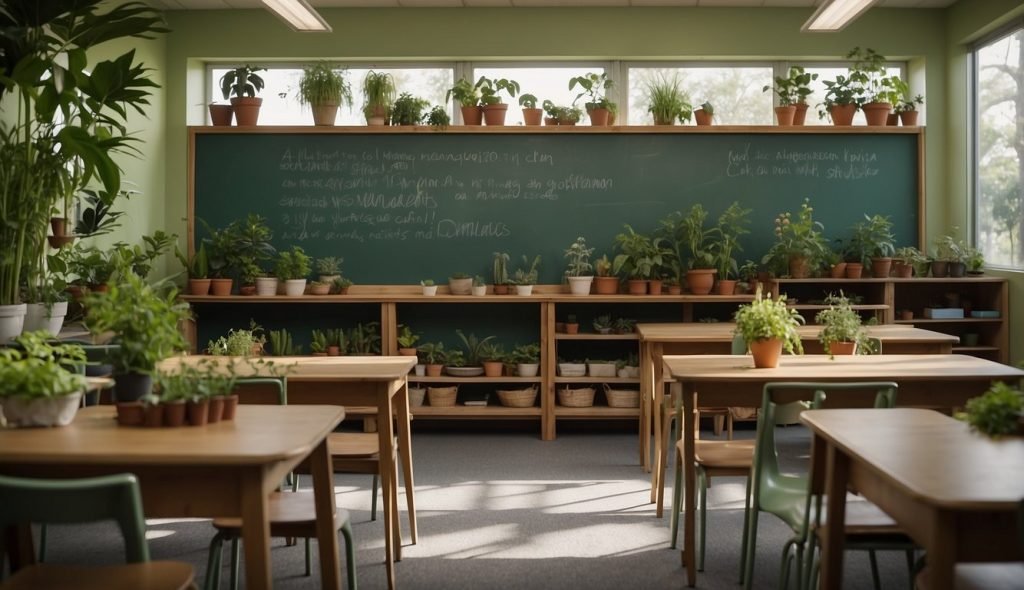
[(996, 413), (732, 224), (594, 87), (71, 116), (769, 323), (324, 88), (873, 239), (799, 242)]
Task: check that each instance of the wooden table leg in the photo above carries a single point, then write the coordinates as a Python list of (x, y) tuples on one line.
[(255, 530), (405, 446), (658, 400), (326, 532), (837, 478), (646, 399), (385, 432), (689, 483), (940, 550)]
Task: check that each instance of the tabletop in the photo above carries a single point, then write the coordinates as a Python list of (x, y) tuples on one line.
[(308, 368), (935, 459), (723, 332)]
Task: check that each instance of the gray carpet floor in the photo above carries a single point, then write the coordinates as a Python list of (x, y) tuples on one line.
[(502, 509)]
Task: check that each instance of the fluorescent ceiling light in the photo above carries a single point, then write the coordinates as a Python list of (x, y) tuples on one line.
[(298, 14), (833, 15)]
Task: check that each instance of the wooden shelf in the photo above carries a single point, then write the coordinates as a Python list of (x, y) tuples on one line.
[(830, 281), (597, 379), (596, 412), (589, 336), (958, 349), (460, 412), (494, 380), (566, 129), (951, 321), (858, 307)]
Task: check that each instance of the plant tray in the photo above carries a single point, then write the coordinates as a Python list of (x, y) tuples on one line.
[(464, 371)]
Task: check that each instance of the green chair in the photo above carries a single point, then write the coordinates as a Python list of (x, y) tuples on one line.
[(787, 497), (74, 501)]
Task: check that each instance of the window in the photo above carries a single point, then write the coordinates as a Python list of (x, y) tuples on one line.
[(999, 149), (734, 91), (430, 83), (818, 92), (546, 83)]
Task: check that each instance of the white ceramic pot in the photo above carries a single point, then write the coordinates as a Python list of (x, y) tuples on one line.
[(572, 369), (527, 369), (37, 317), (12, 320), (524, 290), (266, 286), (421, 370), (294, 287), (628, 372), (580, 285), (41, 411), (480, 290), (430, 290)]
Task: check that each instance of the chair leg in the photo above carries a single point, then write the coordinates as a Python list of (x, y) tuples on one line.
[(875, 579), (309, 565), (751, 545), (373, 507), (728, 425), (910, 567), (677, 495), (212, 581), (702, 516), (235, 556), (42, 544), (784, 565), (719, 424), (746, 525), (350, 555)]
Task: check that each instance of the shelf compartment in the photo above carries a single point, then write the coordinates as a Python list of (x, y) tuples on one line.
[(495, 412), (595, 412), (591, 336), (597, 380), (951, 321), (495, 380)]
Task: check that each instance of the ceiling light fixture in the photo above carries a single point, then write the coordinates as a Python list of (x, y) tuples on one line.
[(833, 15), (299, 15)]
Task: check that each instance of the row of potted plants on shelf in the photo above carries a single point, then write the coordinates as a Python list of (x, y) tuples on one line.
[(526, 397)]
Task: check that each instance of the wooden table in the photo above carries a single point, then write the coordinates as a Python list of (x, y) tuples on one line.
[(725, 380), (955, 492), (224, 469), (657, 340), (353, 381)]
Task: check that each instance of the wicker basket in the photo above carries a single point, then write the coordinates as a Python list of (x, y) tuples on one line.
[(576, 398), (622, 398), (443, 397), (416, 395), (518, 398)]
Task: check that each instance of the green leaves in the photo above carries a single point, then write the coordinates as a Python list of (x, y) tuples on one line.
[(767, 318), (997, 412)]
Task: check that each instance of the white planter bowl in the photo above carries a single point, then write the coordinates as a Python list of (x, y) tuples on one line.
[(430, 290), (462, 286), (580, 285), (12, 320), (421, 370), (528, 369), (572, 369), (480, 291), (464, 371), (524, 290), (601, 369), (295, 287), (37, 317), (266, 286), (41, 411)]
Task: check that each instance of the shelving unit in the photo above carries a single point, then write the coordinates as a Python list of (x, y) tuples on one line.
[(882, 297)]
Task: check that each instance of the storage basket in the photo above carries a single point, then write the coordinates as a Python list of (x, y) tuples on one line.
[(518, 398), (442, 396), (416, 395), (601, 369), (622, 398), (576, 398)]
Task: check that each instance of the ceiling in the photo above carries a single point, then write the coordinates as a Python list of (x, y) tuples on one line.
[(227, 4)]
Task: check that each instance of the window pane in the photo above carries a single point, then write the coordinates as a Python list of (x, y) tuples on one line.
[(544, 83), (428, 83), (818, 95), (1000, 165), (735, 92)]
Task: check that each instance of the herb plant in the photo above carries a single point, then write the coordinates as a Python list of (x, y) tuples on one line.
[(766, 318)]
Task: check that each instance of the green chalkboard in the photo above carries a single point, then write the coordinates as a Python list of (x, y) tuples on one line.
[(401, 207)]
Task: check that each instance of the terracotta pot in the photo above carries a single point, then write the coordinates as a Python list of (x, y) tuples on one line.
[(880, 267), (550, 121), (319, 289), (726, 287), (220, 287), (153, 416), (174, 414), (404, 351), (434, 370), (325, 114), (798, 267), (221, 114), (216, 410), (766, 353), (59, 225), (493, 368), (494, 114), (702, 117), (637, 286), (335, 350), (533, 116), (606, 285), (501, 289), (876, 113), (58, 242), (940, 268), (599, 117), (842, 348), (700, 280), (906, 315), (801, 113), (472, 115), (572, 328), (675, 290), (247, 110), (247, 290), (101, 288), (230, 405), (560, 327), (892, 120), (838, 270), (908, 118), (198, 412), (198, 286), (785, 115), (902, 269), (842, 114), (854, 270), (130, 413), (654, 286)]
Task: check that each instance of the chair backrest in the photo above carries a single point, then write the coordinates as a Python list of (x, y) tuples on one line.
[(72, 501), (739, 345), (278, 384)]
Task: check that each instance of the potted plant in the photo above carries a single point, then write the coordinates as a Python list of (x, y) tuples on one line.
[(907, 109), (841, 329), (527, 359), (568, 115), (324, 89), (479, 286), (468, 95), (905, 260), (873, 238), (281, 344), (501, 279), (242, 84), (792, 92), (492, 357), (378, 96), (408, 109), (429, 288), (594, 86), (975, 260), (603, 324), (39, 384), (579, 272), (329, 268), (340, 285), (318, 343), (526, 276), (198, 268), (705, 114), (293, 267), (335, 342), (141, 344), (550, 113), (878, 91), (469, 358), (769, 326), (605, 283), (666, 100), (49, 304), (840, 102), (251, 250), (624, 325), (240, 343), (639, 257), (998, 412), (318, 288), (799, 241), (460, 283), (433, 356), (494, 109), (407, 340), (42, 162), (732, 224), (531, 114), (572, 324), (438, 117)]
